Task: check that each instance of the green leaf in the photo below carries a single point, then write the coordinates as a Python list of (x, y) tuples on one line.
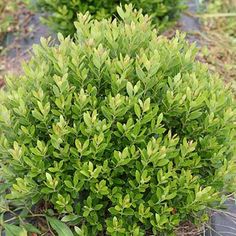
[(68, 184), (159, 119), (31, 228), (120, 12), (83, 231), (13, 230), (69, 218), (146, 105), (37, 115), (194, 115), (61, 228), (129, 88), (98, 207), (113, 211), (128, 212), (137, 110), (163, 162)]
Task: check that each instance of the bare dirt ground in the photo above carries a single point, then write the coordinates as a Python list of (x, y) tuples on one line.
[(17, 45)]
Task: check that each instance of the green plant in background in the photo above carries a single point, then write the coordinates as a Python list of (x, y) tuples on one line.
[(8, 23), (222, 16), (7, 19), (63, 13), (119, 131)]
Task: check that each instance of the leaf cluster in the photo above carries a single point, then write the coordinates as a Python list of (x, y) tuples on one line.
[(122, 131)]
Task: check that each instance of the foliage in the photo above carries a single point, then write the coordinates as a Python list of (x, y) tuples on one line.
[(118, 130), (17, 216), (63, 13)]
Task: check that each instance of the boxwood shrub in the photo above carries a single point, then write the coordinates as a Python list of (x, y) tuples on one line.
[(63, 13), (120, 131)]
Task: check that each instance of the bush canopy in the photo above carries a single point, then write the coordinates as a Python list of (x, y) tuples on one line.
[(120, 131)]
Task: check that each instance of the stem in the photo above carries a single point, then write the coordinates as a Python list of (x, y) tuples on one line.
[(9, 220), (49, 228)]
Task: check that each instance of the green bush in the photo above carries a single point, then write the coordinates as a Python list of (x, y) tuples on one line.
[(119, 131), (63, 13), (7, 18)]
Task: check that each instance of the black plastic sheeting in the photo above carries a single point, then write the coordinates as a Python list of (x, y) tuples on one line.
[(24, 44), (190, 24), (223, 222)]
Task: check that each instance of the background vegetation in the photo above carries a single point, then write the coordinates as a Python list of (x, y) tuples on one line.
[(218, 20), (63, 13)]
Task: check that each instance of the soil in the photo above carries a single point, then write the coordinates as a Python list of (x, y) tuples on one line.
[(18, 45)]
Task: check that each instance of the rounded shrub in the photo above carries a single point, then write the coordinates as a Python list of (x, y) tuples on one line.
[(62, 13), (120, 131)]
